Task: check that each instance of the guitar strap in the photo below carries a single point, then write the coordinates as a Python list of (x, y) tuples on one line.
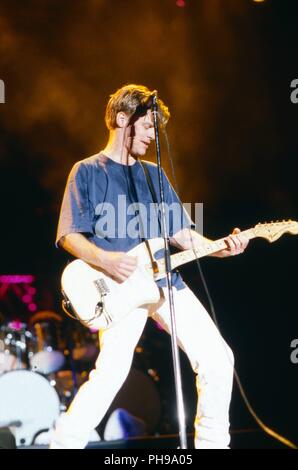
[(154, 199), (151, 187), (149, 181)]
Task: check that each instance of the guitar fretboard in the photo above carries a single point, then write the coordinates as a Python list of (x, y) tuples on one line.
[(186, 256)]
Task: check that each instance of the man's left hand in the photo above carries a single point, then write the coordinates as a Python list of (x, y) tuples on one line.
[(236, 244)]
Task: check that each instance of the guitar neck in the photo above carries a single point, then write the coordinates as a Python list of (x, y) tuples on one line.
[(186, 256)]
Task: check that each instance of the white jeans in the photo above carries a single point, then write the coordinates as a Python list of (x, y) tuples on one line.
[(210, 357)]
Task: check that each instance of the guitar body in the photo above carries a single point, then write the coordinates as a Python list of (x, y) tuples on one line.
[(98, 300)]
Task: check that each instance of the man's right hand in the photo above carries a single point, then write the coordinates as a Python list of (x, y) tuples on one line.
[(117, 264)]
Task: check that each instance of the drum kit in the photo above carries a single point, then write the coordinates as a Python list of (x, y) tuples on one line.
[(42, 363)]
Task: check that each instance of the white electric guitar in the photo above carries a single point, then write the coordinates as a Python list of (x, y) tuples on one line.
[(97, 301)]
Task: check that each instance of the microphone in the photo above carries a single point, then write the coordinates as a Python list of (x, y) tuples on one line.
[(150, 99), (148, 102)]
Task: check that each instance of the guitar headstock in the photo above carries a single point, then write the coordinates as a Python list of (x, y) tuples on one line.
[(274, 230)]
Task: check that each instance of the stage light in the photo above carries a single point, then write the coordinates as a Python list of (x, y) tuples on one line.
[(180, 3), (21, 286)]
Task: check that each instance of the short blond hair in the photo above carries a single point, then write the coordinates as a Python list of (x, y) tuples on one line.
[(128, 99)]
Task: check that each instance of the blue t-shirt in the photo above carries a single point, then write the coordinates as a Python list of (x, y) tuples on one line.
[(111, 204)]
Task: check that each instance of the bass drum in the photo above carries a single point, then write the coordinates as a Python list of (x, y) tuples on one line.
[(28, 404)]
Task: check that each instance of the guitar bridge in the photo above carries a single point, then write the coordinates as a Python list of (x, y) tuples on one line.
[(103, 290), (101, 286)]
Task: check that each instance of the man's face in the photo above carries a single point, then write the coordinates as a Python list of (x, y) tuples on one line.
[(141, 135)]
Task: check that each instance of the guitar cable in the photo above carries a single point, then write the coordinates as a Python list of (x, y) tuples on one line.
[(243, 394)]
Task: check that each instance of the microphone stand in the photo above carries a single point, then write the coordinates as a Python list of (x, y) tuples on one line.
[(165, 236)]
